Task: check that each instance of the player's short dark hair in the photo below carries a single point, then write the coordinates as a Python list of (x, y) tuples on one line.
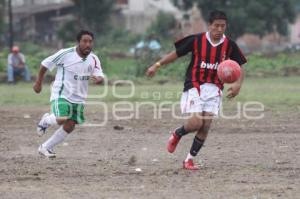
[(84, 32), (216, 14)]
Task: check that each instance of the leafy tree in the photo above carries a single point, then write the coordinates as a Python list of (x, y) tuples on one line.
[(184, 4), (163, 24), (244, 16), (2, 6), (93, 14), (68, 31)]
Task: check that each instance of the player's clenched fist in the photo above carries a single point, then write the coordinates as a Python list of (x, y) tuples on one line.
[(97, 80), (152, 69), (37, 87)]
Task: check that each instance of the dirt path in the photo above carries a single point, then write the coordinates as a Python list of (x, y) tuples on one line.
[(241, 159)]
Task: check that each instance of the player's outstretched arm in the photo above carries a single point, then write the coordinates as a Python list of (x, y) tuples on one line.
[(164, 61), (37, 87)]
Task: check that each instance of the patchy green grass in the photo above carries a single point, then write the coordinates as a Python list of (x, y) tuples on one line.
[(275, 93)]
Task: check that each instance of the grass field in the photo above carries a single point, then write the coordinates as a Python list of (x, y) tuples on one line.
[(281, 93)]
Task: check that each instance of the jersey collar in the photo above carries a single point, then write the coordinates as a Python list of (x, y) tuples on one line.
[(214, 45)]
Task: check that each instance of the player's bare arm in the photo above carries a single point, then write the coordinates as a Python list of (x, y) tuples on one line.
[(37, 87), (164, 61), (234, 89)]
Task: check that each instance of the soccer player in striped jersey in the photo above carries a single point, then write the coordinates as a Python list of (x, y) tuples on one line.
[(202, 93), (75, 66)]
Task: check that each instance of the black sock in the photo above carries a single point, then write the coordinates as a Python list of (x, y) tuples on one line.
[(196, 146), (181, 131)]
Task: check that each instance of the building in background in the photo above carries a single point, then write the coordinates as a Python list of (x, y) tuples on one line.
[(295, 28), (191, 22), (38, 20), (138, 15)]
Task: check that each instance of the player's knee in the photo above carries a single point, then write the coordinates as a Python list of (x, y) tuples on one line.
[(69, 126), (197, 123), (60, 122), (68, 129), (195, 127)]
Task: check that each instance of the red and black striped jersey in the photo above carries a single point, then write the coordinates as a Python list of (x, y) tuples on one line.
[(205, 58)]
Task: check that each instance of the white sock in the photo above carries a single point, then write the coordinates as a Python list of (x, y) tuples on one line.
[(188, 157), (51, 119), (58, 137)]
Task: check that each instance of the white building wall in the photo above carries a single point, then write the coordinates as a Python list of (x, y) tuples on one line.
[(137, 5), (37, 2), (295, 31), (141, 13)]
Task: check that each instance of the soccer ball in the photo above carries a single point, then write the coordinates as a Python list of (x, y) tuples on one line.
[(229, 71)]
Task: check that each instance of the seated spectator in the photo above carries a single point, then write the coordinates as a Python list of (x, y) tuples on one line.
[(153, 43), (16, 66)]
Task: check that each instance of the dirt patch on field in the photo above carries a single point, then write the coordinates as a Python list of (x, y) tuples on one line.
[(128, 159)]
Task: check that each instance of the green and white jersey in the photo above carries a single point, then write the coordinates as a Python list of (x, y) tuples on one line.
[(73, 74)]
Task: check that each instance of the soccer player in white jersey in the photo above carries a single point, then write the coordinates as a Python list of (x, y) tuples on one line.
[(75, 66)]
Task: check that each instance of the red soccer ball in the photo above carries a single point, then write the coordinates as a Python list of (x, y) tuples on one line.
[(229, 71)]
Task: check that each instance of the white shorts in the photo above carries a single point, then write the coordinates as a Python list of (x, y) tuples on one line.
[(209, 100)]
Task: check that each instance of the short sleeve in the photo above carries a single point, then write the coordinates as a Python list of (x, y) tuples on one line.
[(52, 61), (97, 69), (236, 54), (184, 45)]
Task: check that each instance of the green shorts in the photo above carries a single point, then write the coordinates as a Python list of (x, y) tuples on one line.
[(63, 108)]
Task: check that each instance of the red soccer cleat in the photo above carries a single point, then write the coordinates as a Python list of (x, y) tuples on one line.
[(173, 141), (189, 165)]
